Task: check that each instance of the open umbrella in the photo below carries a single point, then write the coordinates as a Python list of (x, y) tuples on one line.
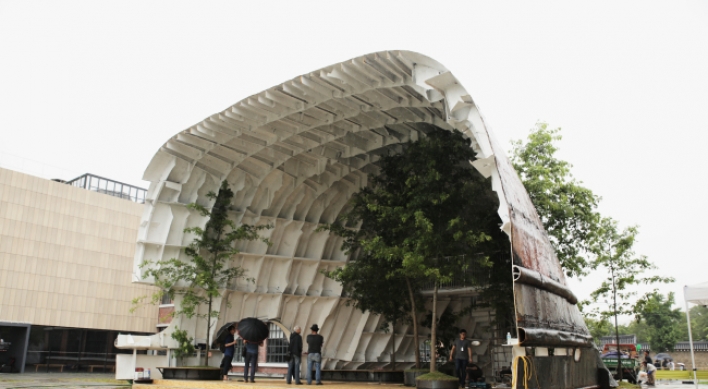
[(252, 329), (221, 334), (613, 354), (662, 356)]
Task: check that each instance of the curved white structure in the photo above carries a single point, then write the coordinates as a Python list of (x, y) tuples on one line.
[(294, 154)]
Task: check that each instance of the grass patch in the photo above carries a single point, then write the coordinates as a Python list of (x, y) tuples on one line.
[(437, 376), (627, 385)]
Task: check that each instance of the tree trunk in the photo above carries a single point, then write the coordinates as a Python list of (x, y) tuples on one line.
[(414, 318), (433, 330), (208, 346), (617, 337), (393, 346)]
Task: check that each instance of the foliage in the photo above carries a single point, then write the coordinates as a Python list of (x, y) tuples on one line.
[(638, 328), (185, 342), (627, 385), (598, 327), (567, 209), (699, 323), (367, 279), (614, 253), (436, 376), (664, 322), (424, 211), (209, 270), (447, 331)]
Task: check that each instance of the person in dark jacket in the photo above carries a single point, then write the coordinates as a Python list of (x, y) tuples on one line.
[(647, 358), (229, 343), (295, 355)]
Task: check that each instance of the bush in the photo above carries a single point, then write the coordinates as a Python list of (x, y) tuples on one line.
[(437, 376)]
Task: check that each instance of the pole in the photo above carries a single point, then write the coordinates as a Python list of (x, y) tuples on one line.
[(135, 361), (690, 338)]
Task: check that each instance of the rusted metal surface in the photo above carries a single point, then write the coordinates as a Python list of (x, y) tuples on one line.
[(546, 312), (526, 276), (558, 371), (531, 249), (553, 338)]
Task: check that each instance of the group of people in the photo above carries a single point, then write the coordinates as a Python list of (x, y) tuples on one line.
[(649, 368), (314, 356)]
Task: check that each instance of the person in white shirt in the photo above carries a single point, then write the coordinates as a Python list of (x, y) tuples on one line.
[(651, 373)]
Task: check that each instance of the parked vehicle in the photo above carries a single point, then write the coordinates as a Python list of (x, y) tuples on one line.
[(627, 355)]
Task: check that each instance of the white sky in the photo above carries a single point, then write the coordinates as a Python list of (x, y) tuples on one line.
[(98, 87)]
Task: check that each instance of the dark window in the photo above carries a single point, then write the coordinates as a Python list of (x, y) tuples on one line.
[(277, 348), (425, 352), (166, 299), (96, 342), (239, 350)]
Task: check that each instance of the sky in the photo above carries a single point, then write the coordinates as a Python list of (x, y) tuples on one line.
[(98, 87)]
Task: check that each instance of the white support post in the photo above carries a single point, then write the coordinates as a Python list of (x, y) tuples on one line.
[(690, 339), (135, 361)]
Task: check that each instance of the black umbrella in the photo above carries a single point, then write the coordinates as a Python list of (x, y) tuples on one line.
[(223, 331), (253, 330), (662, 356)]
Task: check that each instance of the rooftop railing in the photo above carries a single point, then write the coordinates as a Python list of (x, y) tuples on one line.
[(110, 187)]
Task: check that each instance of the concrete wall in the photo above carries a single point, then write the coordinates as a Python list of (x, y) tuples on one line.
[(66, 256), (685, 357)]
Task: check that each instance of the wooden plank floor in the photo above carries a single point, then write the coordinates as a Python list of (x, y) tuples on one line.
[(260, 384)]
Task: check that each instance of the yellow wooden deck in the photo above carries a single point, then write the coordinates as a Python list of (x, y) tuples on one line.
[(263, 383)]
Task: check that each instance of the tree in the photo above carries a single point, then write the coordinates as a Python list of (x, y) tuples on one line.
[(598, 327), (664, 322), (699, 323), (210, 270), (367, 279), (613, 250), (567, 209), (185, 344), (424, 211)]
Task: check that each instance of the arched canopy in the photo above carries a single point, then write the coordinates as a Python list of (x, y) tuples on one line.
[(295, 153)]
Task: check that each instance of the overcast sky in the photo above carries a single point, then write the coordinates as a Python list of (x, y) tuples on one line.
[(99, 86)]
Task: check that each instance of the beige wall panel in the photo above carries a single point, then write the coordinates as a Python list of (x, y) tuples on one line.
[(66, 256)]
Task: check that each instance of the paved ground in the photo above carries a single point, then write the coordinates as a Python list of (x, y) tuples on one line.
[(107, 381), (62, 380), (666, 384)]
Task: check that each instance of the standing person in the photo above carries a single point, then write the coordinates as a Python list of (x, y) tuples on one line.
[(229, 343), (251, 359), (295, 355), (647, 358), (314, 355), (462, 350)]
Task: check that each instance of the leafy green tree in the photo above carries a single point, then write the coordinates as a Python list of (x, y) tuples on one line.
[(367, 279), (699, 323), (210, 270), (613, 250), (185, 342), (638, 328), (424, 211), (567, 209), (664, 322), (598, 327)]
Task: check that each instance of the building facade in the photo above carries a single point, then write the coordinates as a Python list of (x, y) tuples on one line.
[(66, 269)]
